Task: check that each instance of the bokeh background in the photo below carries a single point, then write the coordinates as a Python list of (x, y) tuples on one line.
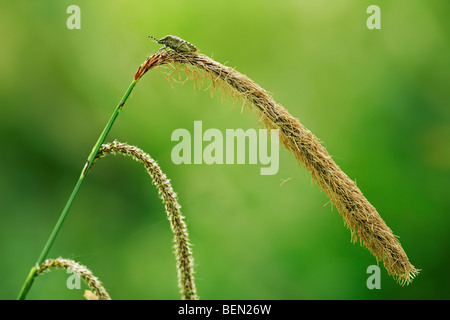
[(378, 99)]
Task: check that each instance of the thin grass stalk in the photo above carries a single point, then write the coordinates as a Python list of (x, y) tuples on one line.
[(358, 214), (29, 280), (182, 246)]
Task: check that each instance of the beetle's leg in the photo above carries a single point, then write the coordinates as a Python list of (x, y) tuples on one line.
[(186, 47), (180, 44), (162, 48)]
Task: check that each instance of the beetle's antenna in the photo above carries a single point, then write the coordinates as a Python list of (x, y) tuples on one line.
[(155, 40)]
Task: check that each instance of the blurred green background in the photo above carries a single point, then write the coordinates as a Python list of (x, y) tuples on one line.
[(378, 99)]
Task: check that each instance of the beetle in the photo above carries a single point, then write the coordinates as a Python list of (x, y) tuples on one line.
[(175, 43)]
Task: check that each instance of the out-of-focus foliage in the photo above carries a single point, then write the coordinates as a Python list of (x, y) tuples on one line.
[(378, 99)]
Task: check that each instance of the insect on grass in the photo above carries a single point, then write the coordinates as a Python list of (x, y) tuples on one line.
[(175, 43)]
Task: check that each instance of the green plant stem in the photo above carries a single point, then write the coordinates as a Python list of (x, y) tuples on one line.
[(86, 168)]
